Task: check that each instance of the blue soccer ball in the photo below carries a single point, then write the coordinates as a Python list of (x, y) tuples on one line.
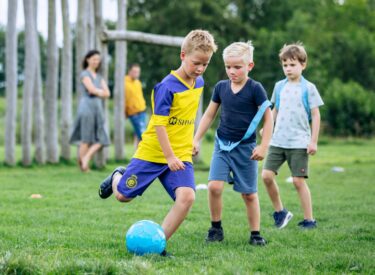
[(145, 237)]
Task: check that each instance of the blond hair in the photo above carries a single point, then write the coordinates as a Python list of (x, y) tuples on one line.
[(199, 40), (295, 51), (240, 49)]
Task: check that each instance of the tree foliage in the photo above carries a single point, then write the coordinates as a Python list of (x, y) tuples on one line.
[(339, 36), (350, 109)]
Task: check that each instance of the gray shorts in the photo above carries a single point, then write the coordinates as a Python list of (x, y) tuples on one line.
[(297, 160), (237, 162)]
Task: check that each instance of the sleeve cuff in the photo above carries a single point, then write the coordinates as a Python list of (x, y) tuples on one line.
[(160, 120)]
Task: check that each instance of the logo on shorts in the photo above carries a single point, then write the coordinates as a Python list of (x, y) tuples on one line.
[(131, 181), (303, 170)]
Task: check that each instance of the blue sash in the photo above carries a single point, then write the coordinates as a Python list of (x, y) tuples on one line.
[(229, 145)]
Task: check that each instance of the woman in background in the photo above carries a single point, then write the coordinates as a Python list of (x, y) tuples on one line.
[(89, 131)]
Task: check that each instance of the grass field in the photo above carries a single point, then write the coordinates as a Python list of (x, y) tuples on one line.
[(71, 231)]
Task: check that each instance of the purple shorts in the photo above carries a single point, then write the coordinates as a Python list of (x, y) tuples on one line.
[(139, 174)]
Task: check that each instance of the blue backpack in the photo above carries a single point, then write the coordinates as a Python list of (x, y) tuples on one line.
[(305, 94)]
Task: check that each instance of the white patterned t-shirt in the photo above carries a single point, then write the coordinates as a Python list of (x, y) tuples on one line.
[(292, 128)]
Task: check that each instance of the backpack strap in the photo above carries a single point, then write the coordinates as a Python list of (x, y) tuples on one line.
[(278, 88), (229, 146), (305, 94), (305, 97)]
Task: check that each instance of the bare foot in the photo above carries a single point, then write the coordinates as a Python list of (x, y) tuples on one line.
[(84, 165)]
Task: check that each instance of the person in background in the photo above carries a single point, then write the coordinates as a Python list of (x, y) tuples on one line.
[(135, 105), (88, 130)]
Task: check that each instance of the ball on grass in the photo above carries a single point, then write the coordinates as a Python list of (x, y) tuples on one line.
[(145, 237)]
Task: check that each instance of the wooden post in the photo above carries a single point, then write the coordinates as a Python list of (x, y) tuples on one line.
[(11, 84), (66, 83), (28, 87), (102, 155), (81, 42), (90, 25), (119, 129), (166, 40), (39, 132), (51, 87)]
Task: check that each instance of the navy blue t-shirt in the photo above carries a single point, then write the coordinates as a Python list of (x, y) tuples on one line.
[(237, 110)]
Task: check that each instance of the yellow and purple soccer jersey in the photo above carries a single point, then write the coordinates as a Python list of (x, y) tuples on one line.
[(174, 105)]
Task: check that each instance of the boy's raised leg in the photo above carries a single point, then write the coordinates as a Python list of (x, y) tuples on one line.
[(272, 189), (116, 180), (185, 197), (106, 187)]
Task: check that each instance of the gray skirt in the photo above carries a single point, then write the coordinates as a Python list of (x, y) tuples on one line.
[(89, 124)]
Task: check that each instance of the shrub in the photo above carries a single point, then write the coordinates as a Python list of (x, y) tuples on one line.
[(349, 110)]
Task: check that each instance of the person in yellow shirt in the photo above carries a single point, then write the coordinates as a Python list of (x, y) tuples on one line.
[(135, 104)]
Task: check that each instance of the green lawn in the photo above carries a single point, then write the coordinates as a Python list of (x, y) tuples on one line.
[(71, 231)]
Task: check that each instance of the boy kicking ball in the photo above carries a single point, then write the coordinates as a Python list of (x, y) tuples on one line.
[(165, 151)]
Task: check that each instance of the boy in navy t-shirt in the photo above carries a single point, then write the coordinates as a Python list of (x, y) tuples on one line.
[(239, 97)]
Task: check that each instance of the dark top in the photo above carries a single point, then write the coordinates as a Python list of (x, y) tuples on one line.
[(237, 110)]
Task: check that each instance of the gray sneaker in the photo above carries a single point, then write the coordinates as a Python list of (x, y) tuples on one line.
[(282, 218)]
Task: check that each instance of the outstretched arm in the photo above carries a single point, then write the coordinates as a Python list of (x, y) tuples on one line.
[(312, 148), (204, 124)]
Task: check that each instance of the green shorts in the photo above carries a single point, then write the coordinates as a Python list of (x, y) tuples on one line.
[(297, 160)]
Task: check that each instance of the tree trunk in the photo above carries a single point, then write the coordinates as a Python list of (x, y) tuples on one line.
[(81, 41), (51, 87), (38, 99), (11, 84), (102, 155), (90, 23), (120, 66), (28, 87), (66, 83)]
